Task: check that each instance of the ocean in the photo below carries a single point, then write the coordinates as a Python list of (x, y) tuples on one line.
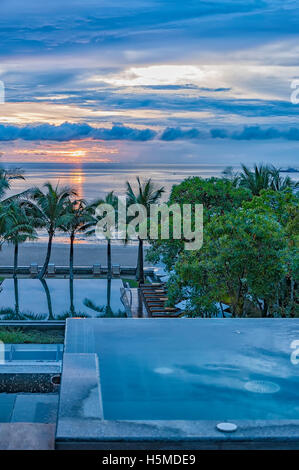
[(93, 180)]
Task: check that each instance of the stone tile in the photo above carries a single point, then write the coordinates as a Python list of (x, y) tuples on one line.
[(27, 436), (7, 402), (35, 408)]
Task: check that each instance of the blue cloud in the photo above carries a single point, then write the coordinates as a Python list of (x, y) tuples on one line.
[(68, 131), (55, 48), (170, 134)]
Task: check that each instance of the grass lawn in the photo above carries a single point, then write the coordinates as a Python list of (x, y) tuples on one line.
[(31, 335), (132, 282)]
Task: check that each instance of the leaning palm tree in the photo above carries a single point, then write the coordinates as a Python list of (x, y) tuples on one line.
[(229, 174), (6, 176), (79, 215), (146, 195), (18, 227), (49, 209), (90, 227), (256, 180)]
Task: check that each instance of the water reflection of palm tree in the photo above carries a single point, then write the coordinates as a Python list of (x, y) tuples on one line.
[(104, 310), (90, 228), (49, 302), (17, 304), (108, 306), (72, 307)]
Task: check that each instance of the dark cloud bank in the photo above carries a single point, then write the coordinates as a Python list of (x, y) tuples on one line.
[(68, 131)]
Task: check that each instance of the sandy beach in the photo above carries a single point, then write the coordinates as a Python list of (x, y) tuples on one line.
[(84, 254)]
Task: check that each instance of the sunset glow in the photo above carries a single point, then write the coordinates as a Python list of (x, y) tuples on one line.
[(86, 81)]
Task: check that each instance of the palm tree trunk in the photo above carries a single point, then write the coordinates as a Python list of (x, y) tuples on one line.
[(49, 302), (15, 265), (109, 266), (140, 270), (72, 237), (45, 266)]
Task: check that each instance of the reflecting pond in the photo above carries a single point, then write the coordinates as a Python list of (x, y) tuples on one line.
[(57, 299)]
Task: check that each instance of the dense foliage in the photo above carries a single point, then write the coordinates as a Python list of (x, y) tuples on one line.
[(248, 264)]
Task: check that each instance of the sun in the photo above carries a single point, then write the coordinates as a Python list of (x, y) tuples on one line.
[(78, 153)]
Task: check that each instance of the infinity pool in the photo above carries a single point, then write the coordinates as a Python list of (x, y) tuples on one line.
[(59, 298), (192, 369)]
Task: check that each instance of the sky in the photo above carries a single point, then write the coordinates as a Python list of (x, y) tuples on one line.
[(149, 81)]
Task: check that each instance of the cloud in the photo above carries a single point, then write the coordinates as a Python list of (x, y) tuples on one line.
[(176, 133), (68, 131)]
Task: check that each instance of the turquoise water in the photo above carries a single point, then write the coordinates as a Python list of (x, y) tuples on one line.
[(52, 299), (192, 369)]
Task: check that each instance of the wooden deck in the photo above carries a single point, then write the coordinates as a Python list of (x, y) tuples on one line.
[(155, 299)]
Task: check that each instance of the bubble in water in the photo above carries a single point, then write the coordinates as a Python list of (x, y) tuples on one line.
[(163, 370), (262, 386)]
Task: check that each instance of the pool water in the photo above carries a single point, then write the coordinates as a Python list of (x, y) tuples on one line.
[(59, 298), (192, 369)]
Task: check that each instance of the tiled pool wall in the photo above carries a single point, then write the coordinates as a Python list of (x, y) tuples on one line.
[(31, 368)]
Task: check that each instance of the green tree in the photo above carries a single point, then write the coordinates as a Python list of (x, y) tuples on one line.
[(264, 177), (79, 214), (256, 180), (6, 177), (280, 183), (90, 227), (146, 195), (242, 261), (218, 196), (18, 227), (284, 207), (49, 208)]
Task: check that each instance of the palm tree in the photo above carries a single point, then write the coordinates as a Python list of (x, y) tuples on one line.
[(146, 195), (6, 176), (279, 183), (90, 228), (265, 177), (231, 175), (18, 227), (50, 211), (256, 180), (79, 216)]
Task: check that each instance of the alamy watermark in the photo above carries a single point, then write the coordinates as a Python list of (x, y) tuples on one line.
[(163, 221), (2, 92), (295, 354), (2, 353), (295, 92)]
